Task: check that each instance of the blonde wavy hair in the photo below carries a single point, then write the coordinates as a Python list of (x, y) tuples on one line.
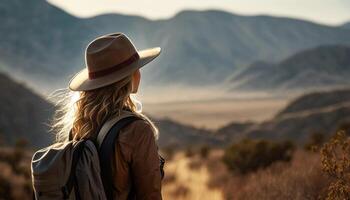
[(84, 112)]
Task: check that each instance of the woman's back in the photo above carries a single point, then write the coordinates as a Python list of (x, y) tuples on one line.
[(137, 173)]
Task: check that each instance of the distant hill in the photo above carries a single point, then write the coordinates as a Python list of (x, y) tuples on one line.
[(298, 126), (346, 25), (316, 100), (23, 114), (175, 135), (43, 44), (321, 112), (324, 66), (233, 131)]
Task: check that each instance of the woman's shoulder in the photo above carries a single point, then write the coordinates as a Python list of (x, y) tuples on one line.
[(136, 132)]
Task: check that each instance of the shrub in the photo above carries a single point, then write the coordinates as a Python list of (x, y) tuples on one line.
[(335, 157), (169, 152), (169, 178), (315, 141), (345, 127), (180, 191), (189, 152), (249, 155), (204, 151)]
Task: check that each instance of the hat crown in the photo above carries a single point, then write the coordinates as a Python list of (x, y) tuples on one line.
[(108, 59), (108, 51)]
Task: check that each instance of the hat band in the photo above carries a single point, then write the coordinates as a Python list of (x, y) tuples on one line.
[(104, 72)]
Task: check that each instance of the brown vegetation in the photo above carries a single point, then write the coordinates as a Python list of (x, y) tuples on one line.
[(201, 174), (336, 164), (250, 155), (315, 141), (15, 179), (302, 178)]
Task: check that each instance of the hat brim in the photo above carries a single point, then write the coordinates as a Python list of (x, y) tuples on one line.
[(81, 81)]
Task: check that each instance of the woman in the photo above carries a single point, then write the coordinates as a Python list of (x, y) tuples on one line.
[(104, 91)]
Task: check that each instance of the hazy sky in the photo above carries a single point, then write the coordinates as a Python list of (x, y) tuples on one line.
[(323, 11)]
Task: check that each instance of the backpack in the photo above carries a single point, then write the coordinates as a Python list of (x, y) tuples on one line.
[(77, 170)]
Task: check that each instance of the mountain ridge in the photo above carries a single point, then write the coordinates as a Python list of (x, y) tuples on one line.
[(211, 44), (323, 66)]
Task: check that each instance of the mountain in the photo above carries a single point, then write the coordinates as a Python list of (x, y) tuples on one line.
[(346, 25), (323, 66), (43, 44), (317, 112), (23, 114)]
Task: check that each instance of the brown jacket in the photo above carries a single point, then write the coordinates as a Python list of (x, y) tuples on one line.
[(137, 169)]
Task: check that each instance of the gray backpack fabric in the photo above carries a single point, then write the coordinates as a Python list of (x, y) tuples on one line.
[(77, 169)]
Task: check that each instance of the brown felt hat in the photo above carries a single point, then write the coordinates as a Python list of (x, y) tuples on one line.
[(108, 59)]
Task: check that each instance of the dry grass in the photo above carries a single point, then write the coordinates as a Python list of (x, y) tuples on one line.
[(209, 178), (191, 182), (195, 177), (300, 179), (15, 180)]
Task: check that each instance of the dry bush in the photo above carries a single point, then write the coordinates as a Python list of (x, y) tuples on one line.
[(204, 151), (336, 164), (168, 152), (13, 185), (195, 163), (169, 178), (189, 152), (250, 155), (344, 127), (218, 170), (302, 178), (315, 141), (180, 191), (15, 178)]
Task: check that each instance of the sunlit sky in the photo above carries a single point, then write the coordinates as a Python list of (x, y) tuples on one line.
[(332, 12)]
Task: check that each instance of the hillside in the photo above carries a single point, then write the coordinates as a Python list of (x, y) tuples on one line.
[(23, 114), (175, 135), (346, 25), (316, 100), (324, 66), (319, 112), (299, 126), (46, 44)]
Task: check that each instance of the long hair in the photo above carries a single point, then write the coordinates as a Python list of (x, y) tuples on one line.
[(85, 112)]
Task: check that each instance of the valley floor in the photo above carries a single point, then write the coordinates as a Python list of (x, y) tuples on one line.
[(216, 113)]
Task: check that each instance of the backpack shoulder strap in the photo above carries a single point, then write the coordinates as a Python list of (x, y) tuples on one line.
[(106, 151), (108, 125)]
